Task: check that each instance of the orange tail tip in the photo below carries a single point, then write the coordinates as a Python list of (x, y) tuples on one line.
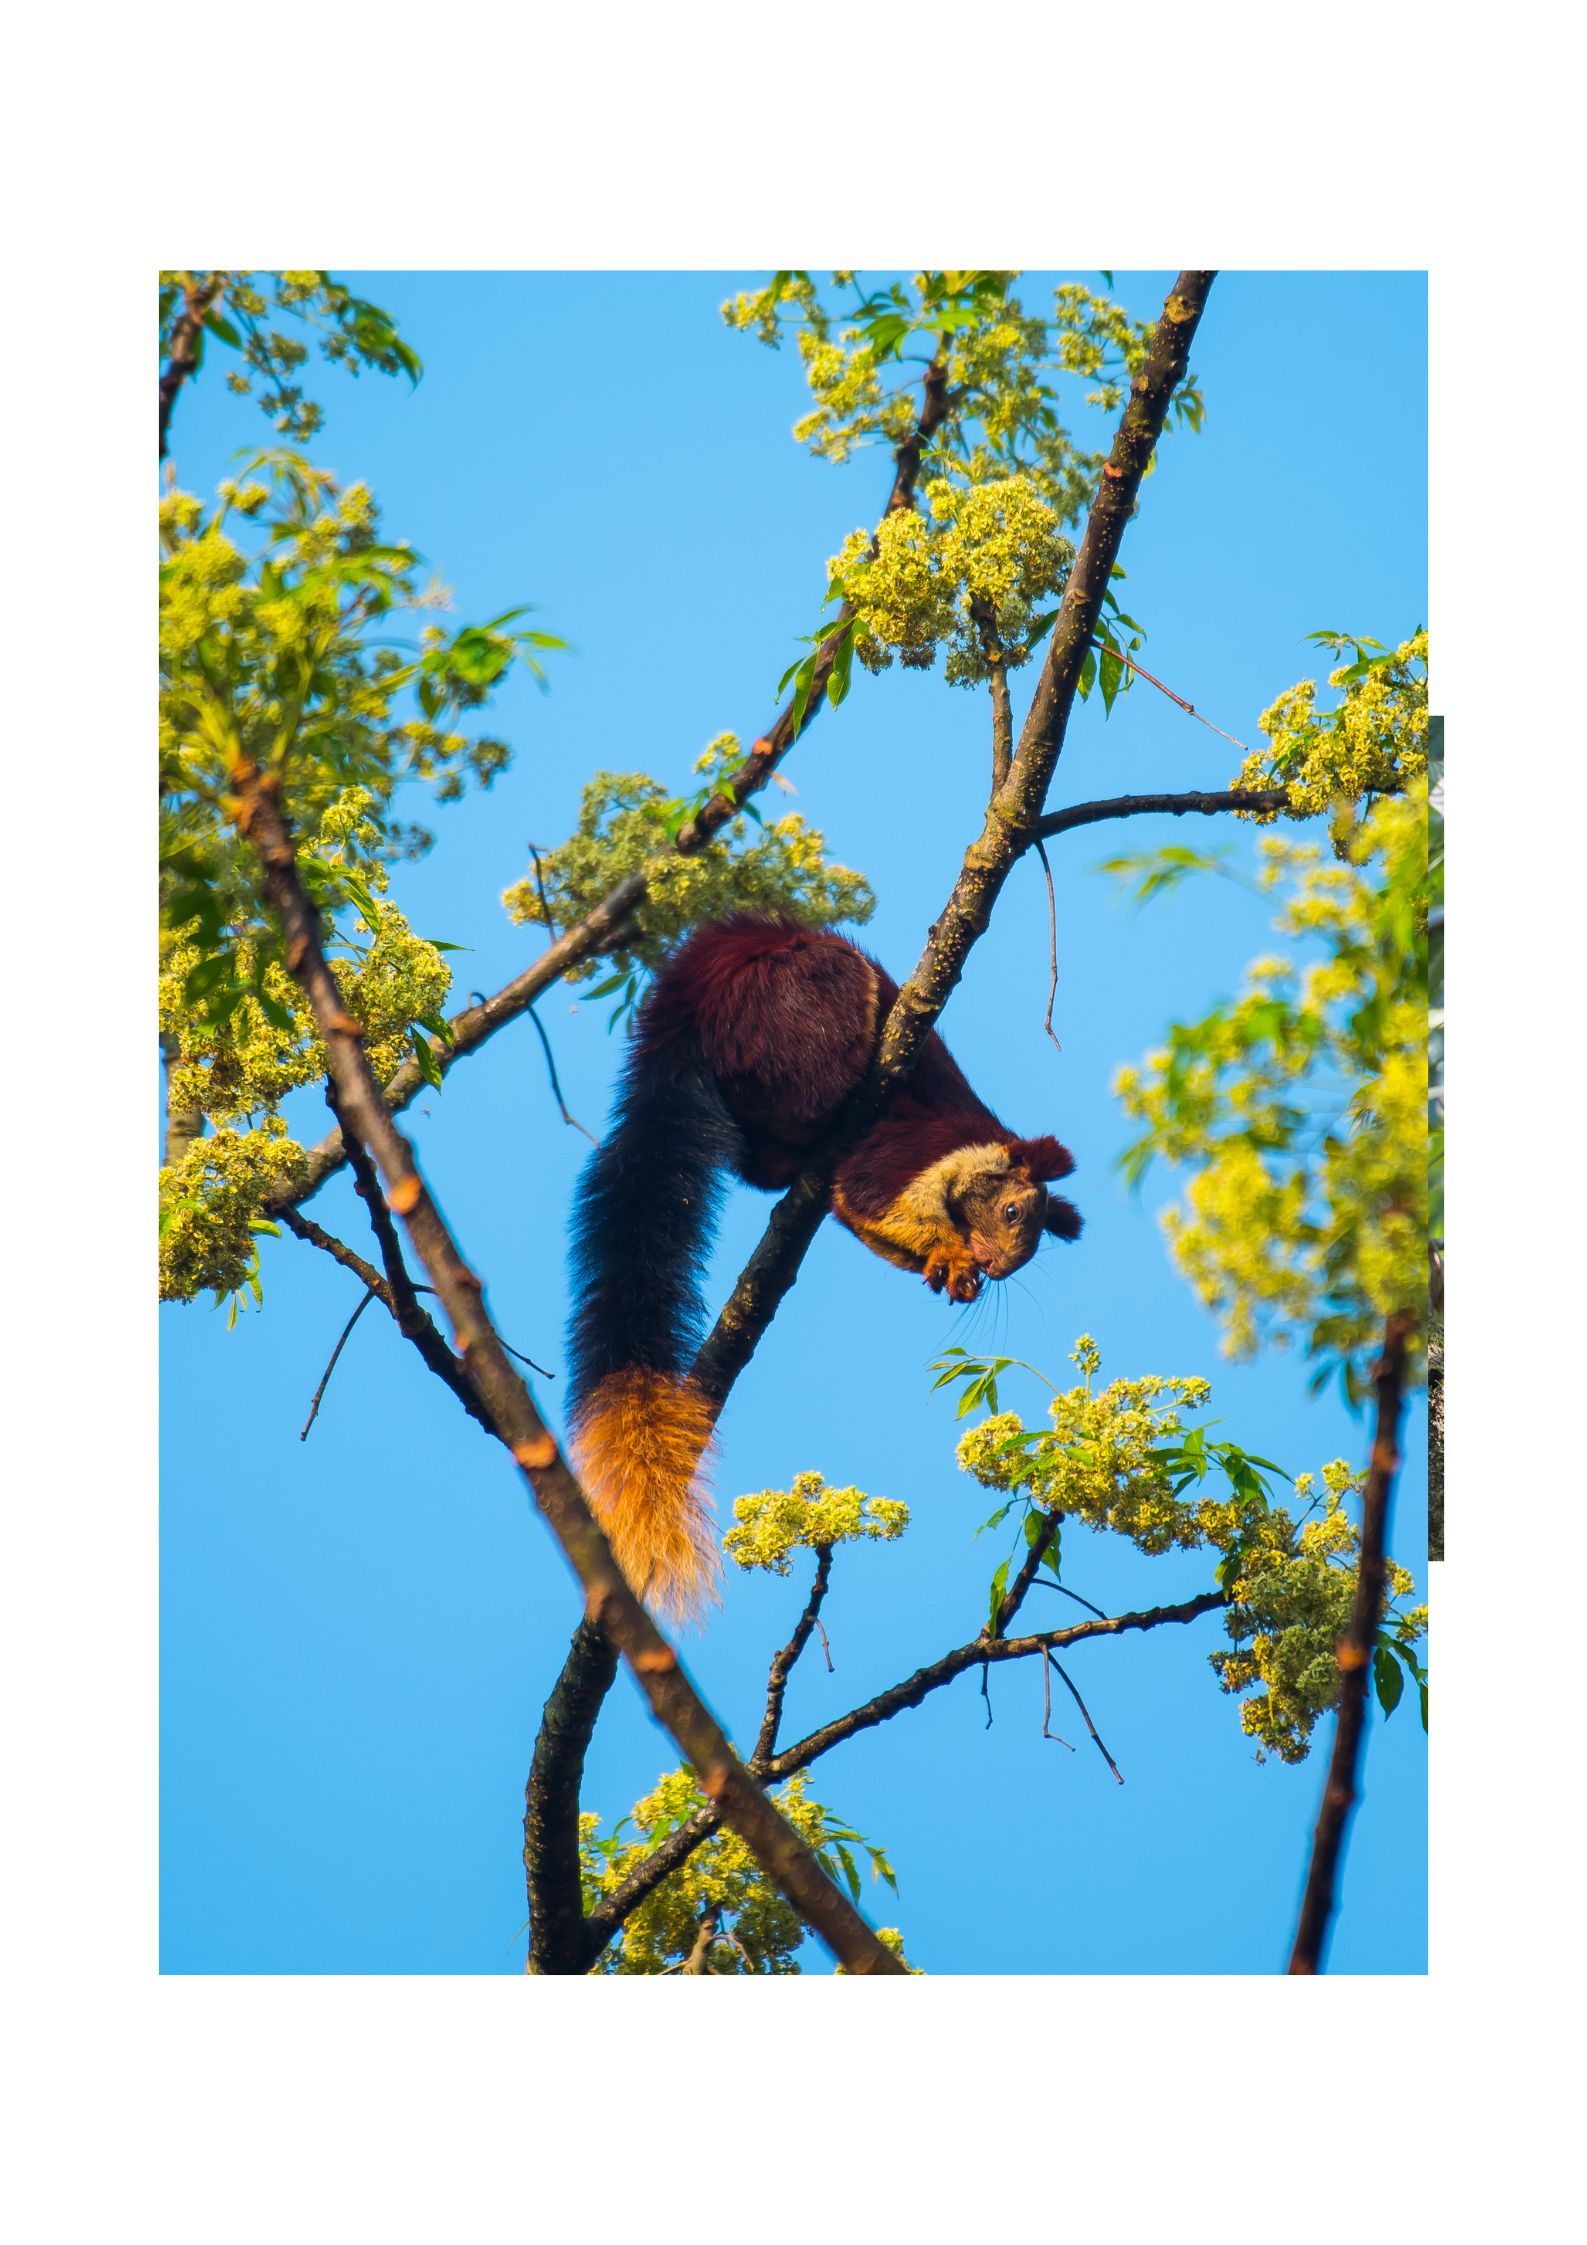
[(641, 1440)]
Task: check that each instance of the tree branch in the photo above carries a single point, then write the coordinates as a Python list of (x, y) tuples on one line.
[(783, 1665), (1130, 806), (680, 1843), (186, 336), (1014, 1596), (1356, 1649), (557, 1939), (610, 1604)]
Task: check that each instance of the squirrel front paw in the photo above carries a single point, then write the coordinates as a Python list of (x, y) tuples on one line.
[(957, 1273)]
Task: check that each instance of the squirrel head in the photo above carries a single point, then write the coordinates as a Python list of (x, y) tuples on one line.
[(1004, 1209)]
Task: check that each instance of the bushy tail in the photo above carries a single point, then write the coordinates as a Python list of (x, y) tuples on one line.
[(646, 1213)]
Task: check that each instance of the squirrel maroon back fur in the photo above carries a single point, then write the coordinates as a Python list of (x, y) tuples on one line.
[(753, 1034)]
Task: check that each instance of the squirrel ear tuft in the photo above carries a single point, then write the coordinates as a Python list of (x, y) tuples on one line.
[(1041, 1158), (1062, 1219)]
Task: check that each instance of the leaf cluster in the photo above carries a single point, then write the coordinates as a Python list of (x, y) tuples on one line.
[(628, 821), (266, 360), (1299, 1108), (1122, 1460)]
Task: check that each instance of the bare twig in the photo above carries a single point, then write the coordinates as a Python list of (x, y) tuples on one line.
[(1047, 1730), (1355, 1654), (1052, 940), (1086, 1712), (610, 1603), (556, 1088), (1189, 708), (369, 1296)]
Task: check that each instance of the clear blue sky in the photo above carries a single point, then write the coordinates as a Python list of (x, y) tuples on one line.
[(358, 1632)]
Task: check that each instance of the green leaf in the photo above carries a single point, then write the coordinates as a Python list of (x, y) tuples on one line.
[(424, 1053), (1000, 1515), (842, 670), (999, 1585), (1389, 1679), (221, 327), (1088, 675), (850, 1873)]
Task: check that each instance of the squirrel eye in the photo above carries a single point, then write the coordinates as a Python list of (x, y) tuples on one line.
[(1011, 1213)]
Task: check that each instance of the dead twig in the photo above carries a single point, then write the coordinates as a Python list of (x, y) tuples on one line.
[(325, 1377)]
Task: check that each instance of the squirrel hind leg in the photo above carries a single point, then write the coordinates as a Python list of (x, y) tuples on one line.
[(642, 1443)]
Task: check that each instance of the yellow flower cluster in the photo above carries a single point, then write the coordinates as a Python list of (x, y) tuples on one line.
[(237, 1067), (775, 1523), (1117, 1459), (1375, 740), (995, 546), (208, 1204), (623, 825), (1302, 1115), (757, 1931), (1098, 1464)]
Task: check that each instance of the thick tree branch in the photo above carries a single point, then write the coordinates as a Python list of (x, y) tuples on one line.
[(612, 920), (1012, 823), (186, 336), (610, 1604), (1356, 1649), (609, 1913), (551, 1803)]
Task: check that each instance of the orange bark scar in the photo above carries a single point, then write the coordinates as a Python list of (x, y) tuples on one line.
[(535, 1453), (404, 1195)]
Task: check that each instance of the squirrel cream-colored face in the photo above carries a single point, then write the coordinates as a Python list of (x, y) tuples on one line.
[(1001, 1213)]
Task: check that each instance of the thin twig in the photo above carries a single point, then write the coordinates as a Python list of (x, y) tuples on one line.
[(782, 1666), (556, 1088), (1090, 1726), (1052, 939), (1047, 1730), (540, 889), (1189, 708), (369, 1296)]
